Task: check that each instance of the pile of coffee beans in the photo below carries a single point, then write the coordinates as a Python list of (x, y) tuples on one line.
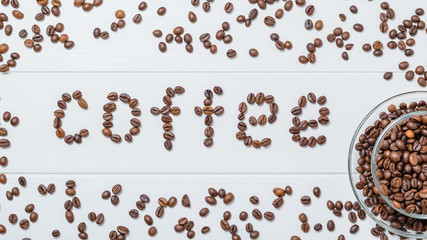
[(60, 114), (259, 99), (11, 63), (402, 169), (208, 110), (404, 147), (165, 111), (110, 107), (299, 125)]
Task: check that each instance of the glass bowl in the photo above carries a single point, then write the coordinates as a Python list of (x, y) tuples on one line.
[(353, 157)]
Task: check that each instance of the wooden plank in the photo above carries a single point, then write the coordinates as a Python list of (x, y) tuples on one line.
[(135, 49), (90, 187), (36, 149)]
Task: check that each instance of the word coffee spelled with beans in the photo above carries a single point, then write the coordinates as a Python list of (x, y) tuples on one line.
[(168, 110)]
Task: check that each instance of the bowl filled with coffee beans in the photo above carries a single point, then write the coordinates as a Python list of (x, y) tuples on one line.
[(388, 165)]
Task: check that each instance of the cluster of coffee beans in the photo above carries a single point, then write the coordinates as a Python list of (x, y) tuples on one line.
[(120, 233), (279, 44), (43, 190), (311, 48), (185, 224), (340, 36), (110, 107), (60, 114), (308, 24), (114, 199), (206, 6), (45, 11), (175, 35), (336, 209), (299, 125), (248, 20), (259, 99), (86, 6), (404, 147), (14, 121), (165, 111), (96, 218), (208, 110), (4, 48), (24, 223), (73, 203), (410, 74), (52, 31), (402, 169), (120, 14), (410, 27)]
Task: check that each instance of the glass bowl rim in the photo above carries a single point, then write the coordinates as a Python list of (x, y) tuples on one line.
[(350, 170)]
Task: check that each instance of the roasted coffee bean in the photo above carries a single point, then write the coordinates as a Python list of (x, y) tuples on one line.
[(24, 224), (185, 201), (305, 200), (352, 217), (354, 229), (69, 216), (330, 225), (257, 214), (231, 53), (99, 219), (152, 231), (308, 24), (305, 227), (114, 200)]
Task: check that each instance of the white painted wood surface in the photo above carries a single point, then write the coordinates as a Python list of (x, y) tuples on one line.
[(130, 62)]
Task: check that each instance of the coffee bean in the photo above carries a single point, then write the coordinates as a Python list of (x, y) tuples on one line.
[(114, 200), (206, 6), (204, 212), (305, 200), (330, 225), (231, 53), (269, 216), (296, 111), (253, 52), (316, 192), (354, 229), (388, 75), (352, 217), (257, 214), (228, 198), (228, 7), (69, 216), (185, 201), (152, 231), (269, 21), (192, 17), (308, 24)]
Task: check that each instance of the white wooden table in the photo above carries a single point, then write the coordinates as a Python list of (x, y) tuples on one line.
[(130, 62)]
